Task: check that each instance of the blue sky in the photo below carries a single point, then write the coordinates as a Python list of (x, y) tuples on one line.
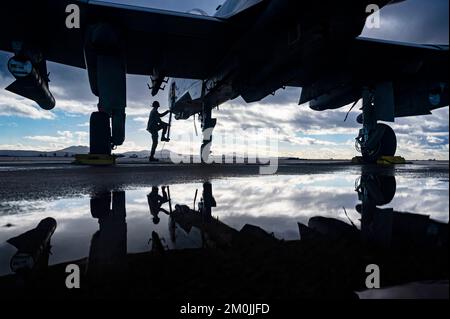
[(303, 133)]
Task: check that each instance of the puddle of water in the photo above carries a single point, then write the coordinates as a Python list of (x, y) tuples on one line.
[(275, 203)]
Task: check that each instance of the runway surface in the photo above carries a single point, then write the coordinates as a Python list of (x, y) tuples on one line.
[(27, 180)]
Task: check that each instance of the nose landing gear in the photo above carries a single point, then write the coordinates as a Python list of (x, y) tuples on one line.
[(375, 140), (208, 125)]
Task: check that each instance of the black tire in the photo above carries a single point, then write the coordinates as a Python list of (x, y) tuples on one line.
[(100, 134), (387, 146)]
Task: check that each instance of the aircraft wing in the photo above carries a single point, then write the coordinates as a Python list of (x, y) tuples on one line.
[(178, 44), (390, 58), (415, 70)]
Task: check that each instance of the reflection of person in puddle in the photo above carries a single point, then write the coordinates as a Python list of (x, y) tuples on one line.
[(155, 201)]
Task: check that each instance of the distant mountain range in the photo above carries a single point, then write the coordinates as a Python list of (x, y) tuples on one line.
[(67, 152), (74, 150)]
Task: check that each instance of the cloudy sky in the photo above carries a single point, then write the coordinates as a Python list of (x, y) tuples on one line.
[(303, 132)]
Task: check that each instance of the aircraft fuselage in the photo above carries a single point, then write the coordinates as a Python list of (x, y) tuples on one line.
[(283, 41)]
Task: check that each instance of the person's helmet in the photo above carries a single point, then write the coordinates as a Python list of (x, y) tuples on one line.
[(155, 104)]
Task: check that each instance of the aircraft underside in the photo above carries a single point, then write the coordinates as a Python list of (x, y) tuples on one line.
[(253, 52), (384, 99)]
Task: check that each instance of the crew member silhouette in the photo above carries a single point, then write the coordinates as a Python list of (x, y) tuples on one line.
[(155, 124)]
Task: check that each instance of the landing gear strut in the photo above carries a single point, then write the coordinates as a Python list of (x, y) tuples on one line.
[(100, 133), (208, 125), (106, 66), (375, 140)]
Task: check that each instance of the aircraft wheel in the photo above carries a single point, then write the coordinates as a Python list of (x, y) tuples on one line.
[(100, 133), (386, 146)]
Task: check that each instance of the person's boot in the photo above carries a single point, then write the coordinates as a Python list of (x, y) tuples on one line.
[(152, 160), (165, 139)]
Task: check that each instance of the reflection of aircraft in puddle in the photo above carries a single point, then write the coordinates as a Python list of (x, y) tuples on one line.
[(33, 248), (31, 260), (328, 262), (381, 227), (107, 255), (197, 228), (200, 223), (108, 251), (385, 227), (209, 232), (407, 246)]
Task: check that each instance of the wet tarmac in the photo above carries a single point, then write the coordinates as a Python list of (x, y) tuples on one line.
[(305, 193)]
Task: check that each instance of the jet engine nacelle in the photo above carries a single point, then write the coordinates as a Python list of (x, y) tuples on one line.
[(401, 98), (30, 83), (420, 97)]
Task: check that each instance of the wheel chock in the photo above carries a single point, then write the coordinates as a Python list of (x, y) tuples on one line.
[(391, 160), (95, 159), (357, 160), (384, 160)]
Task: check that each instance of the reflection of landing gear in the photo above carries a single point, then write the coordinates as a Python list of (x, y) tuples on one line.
[(208, 125), (108, 250), (378, 190), (207, 202), (375, 191), (375, 140)]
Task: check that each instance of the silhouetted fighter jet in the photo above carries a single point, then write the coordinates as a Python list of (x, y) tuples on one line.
[(250, 48)]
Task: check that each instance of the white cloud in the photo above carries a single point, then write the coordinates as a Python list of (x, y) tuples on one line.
[(62, 139), (76, 107), (142, 120), (11, 105), (46, 139), (434, 140)]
